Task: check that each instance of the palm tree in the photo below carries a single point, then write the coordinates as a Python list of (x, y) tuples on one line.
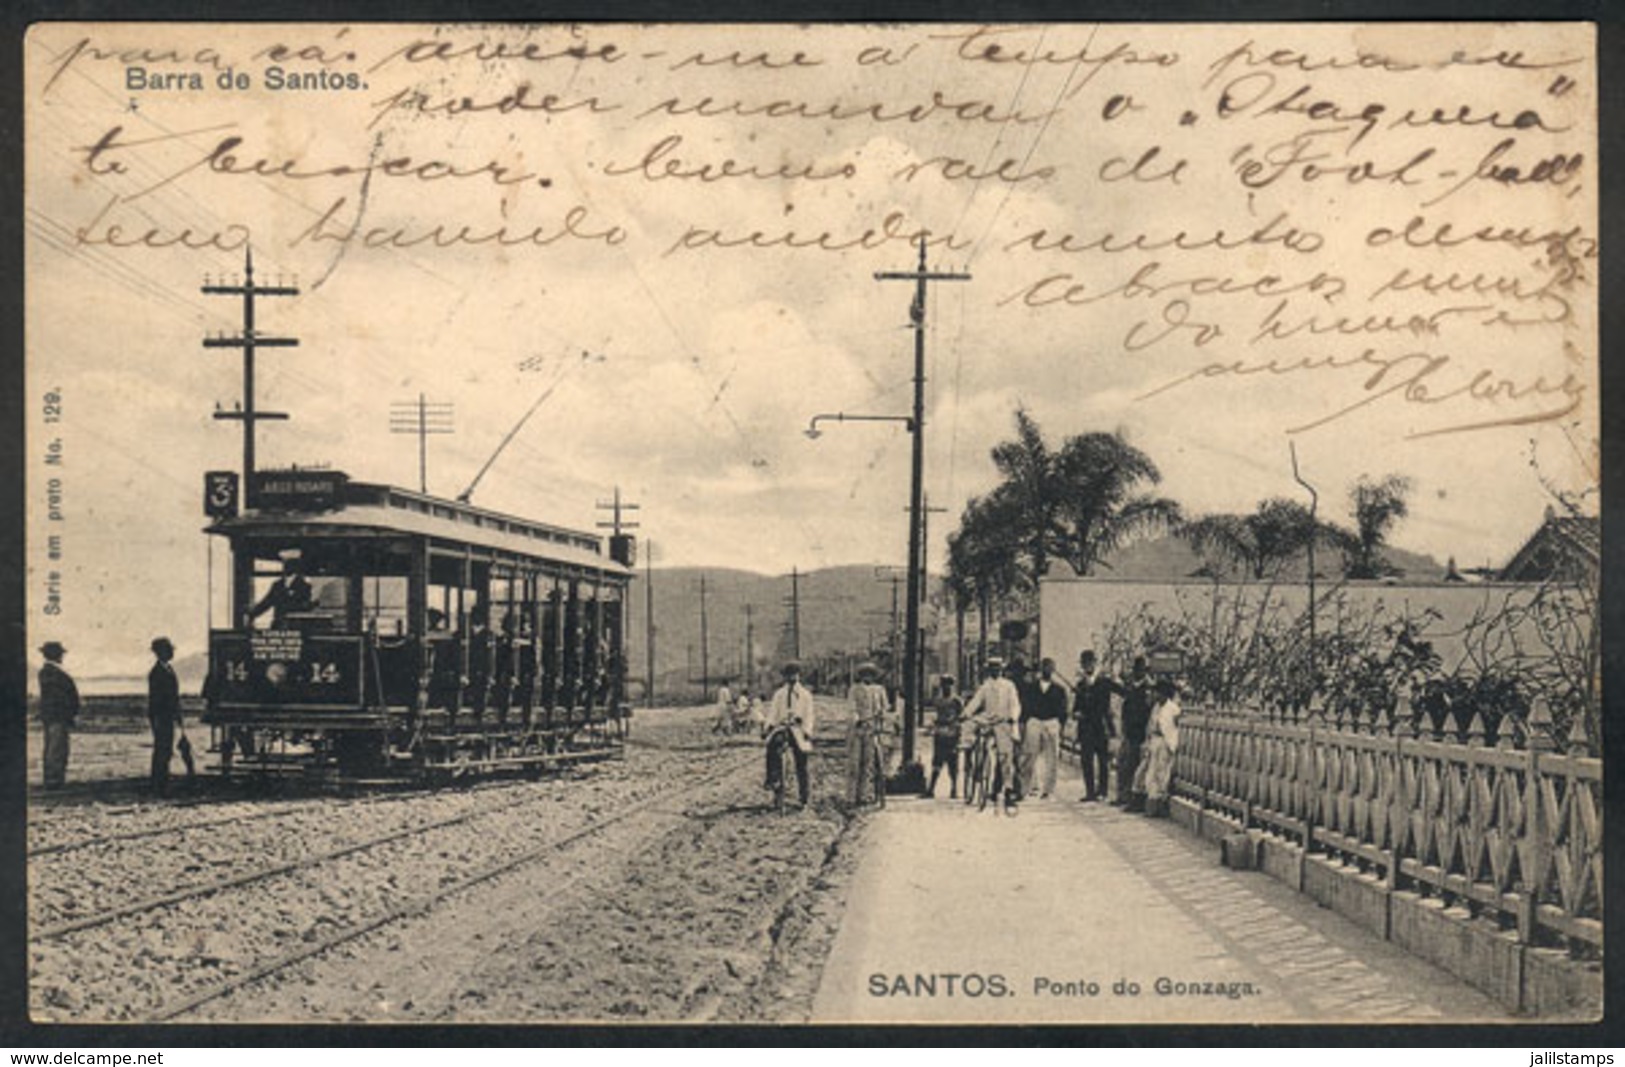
[(1262, 542), (1029, 498), (982, 564), (1096, 477), (1077, 504), (1376, 507)]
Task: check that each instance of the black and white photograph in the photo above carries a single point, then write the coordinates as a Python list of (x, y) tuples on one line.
[(1088, 524)]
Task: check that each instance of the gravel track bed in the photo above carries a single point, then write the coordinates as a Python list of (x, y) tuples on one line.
[(129, 968), (711, 907), (86, 872)]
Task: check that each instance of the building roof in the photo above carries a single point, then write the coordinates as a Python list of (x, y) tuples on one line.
[(1565, 547), (389, 509)]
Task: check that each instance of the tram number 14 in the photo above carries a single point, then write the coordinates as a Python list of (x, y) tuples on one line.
[(320, 673)]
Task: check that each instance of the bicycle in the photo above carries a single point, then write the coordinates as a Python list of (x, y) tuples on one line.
[(980, 768), (781, 736)]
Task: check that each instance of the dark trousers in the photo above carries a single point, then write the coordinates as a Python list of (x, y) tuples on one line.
[(775, 745), (1128, 761), (1096, 757), (945, 754), (163, 749), (56, 754)]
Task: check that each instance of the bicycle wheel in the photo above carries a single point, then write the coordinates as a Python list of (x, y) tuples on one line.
[(877, 761), (972, 772), (782, 785), (987, 770)]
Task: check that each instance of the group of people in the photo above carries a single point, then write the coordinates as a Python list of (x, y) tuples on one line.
[(791, 717), (1026, 717), (59, 707), (1127, 731), (736, 711)]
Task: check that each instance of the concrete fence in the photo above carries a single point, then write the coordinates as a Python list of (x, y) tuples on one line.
[(1484, 860)]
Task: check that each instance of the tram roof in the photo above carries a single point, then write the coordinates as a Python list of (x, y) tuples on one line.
[(389, 509)]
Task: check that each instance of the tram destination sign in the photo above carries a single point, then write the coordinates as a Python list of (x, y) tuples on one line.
[(298, 490)]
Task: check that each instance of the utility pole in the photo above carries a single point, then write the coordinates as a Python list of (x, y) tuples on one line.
[(921, 277), (705, 648), (249, 340), (649, 615), (1314, 535), (750, 647), (421, 418), (894, 669), (926, 511), (795, 613), (617, 525)]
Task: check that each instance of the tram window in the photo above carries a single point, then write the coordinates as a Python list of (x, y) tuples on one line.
[(383, 603), (291, 591), (445, 608)]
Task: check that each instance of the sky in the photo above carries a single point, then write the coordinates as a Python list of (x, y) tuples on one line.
[(667, 356)]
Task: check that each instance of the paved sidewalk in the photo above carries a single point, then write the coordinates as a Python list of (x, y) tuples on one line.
[(1067, 907)]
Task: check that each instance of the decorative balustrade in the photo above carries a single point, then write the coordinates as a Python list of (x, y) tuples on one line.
[(1512, 833)]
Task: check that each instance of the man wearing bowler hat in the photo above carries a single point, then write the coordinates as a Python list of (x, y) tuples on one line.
[(163, 712), (58, 707)]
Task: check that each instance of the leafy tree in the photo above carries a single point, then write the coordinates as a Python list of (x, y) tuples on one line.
[(1376, 508), (1097, 475), (1262, 542), (1029, 498), (982, 567), (1077, 503)]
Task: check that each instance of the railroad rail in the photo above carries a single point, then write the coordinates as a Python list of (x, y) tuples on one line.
[(423, 904)]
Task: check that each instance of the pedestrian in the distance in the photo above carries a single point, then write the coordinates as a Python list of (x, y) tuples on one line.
[(792, 709), (1092, 708), (1136, 713), (996, 706), (869, 702), (163, 712), (1044, 715), (945, 735), (58, 709), (1161, 745)]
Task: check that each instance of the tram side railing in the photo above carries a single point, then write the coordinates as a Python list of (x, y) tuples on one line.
[(1508, 835)]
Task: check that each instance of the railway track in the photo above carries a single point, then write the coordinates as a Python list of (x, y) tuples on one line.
[(270, 917), (257, 814), (93, 912), (396, 792), (422, 904), (168, 900)]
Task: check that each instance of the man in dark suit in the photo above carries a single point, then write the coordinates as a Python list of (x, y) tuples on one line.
[(1136, 712), (1093, 708), (58, 707), (163, 712)]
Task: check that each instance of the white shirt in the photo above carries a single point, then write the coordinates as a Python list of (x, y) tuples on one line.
[(996, 700), (793, 703)]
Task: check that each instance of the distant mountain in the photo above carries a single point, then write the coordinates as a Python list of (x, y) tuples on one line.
[(842, 609), (1169, 557), (846, 609)]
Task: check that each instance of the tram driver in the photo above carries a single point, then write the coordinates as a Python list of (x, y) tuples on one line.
[(290, 596)]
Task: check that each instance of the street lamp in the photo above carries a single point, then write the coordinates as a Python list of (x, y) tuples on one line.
[(815, 433)]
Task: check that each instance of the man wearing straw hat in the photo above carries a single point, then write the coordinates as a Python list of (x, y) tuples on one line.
[(163, 712), (58, 707), (869, 702)]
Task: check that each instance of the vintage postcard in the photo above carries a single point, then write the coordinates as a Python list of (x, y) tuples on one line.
[(1016, 523)]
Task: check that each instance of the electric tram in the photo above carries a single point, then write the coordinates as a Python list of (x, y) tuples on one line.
[(378, 634)]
